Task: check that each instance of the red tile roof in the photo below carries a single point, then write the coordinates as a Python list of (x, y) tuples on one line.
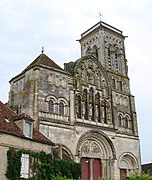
[(7, 125), (17, 117), (6, 122)]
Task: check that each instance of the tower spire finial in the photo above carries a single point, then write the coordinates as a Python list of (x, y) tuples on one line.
[(42, 50), (100, 15)]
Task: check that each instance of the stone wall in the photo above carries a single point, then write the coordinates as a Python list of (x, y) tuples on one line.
[(7, 140)]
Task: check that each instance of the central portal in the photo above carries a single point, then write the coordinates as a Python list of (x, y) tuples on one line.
[(91, 168), (97, 154)]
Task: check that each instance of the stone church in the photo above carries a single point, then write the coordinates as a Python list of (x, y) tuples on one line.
[(86, 108)]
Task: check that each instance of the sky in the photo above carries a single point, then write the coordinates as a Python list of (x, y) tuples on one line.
[(28, 25)]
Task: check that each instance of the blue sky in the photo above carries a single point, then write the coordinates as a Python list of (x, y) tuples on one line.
[(27, 25)]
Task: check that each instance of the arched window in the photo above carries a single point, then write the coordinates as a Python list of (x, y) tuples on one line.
[(85, 99), (104, 106), (109, 57), (91, 95), (114, 83), (79, 106), (91, 102), (61, 108), (116, 64), (119, 120), (120, 83), (126, 122), (97, 102), (51, 106), (116, 59)]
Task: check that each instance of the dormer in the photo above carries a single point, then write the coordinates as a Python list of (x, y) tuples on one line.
[(25, 123)]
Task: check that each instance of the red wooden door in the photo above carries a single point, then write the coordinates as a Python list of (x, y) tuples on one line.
[(96, 169), (85, 168), (123, 174)]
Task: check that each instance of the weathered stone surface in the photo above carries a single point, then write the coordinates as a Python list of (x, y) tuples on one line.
[(88, 101)]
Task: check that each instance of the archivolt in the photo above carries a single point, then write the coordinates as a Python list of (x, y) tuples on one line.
[(102, 139), (128, 161)]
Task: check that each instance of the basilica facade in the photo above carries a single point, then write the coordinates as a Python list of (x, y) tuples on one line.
[(87, 108)]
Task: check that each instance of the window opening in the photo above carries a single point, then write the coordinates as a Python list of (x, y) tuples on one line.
[(109, 58), (25, 166), (91, 103), (119, 120), (85, 94), (126, 122), (114, 84), (51, 106), (97, 101), (28, 129), (104, 104), (120, 85), (79, 106), (61, 109)]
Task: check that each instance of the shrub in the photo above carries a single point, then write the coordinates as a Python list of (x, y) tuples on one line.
[(43, 167), (137, 176)]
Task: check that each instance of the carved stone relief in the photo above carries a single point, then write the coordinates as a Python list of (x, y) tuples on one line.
[(91, 148), (89, 73), (121, 100), (59, 81)]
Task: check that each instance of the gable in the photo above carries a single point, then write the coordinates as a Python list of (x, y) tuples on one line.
[(89, 72)]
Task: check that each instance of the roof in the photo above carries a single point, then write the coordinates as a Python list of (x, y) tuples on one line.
[(6, 122), (7, 125), (17, 117), (43, 59), (146, 166), (101, 25)]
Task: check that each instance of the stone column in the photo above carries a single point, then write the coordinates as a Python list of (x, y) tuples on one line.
[(60, 151), (91, 169)]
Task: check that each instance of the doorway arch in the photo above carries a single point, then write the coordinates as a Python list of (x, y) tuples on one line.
[(97, 155), (127, 164)]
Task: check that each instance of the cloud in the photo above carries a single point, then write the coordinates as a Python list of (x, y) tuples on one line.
[(28, 25)]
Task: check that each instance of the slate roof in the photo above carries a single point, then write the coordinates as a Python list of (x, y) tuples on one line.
[(7, 125), (43, 59)]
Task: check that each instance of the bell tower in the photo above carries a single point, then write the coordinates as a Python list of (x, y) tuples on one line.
[(106, 43)]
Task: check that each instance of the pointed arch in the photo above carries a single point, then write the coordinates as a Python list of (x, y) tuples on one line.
[(96, 65)]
